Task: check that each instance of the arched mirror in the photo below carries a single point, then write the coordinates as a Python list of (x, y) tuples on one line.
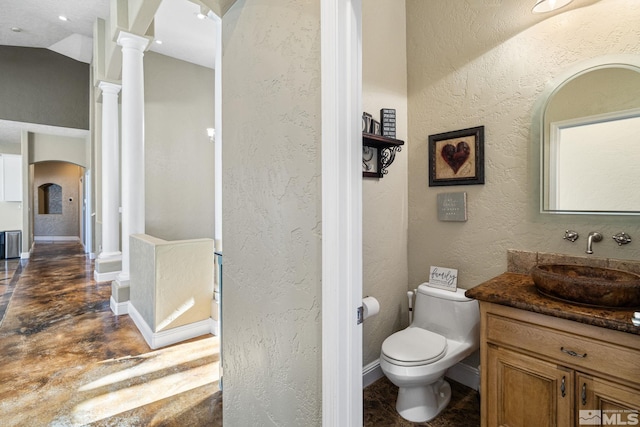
[(590, 140)]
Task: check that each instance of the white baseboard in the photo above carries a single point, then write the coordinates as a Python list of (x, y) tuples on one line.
[(119, 308), (465, 375), (56, 238), (460, 372), (371, 373), (215, 327), (105, 277), (27, 255), (170, 336)]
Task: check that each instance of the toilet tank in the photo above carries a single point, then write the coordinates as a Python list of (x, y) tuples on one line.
[(447, 313)]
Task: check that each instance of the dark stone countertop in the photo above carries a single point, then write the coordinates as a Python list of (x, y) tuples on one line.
[(517, 290)]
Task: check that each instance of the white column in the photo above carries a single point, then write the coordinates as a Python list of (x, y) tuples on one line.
[(110, 171), (132, 142)]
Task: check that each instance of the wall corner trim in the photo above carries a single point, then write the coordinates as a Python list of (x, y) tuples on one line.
[(119, 308), (371, 373)]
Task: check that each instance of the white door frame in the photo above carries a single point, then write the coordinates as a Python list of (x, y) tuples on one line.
[(86, 225), (341, 58)]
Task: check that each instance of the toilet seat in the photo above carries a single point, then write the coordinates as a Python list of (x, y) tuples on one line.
[(413, 347)]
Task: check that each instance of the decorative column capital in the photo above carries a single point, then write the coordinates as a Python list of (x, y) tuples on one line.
[(133, 41), (111, 88)]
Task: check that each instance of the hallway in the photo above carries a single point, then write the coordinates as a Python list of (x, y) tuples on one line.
[(66, 360)]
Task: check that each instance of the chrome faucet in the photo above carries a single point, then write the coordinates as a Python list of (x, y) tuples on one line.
[(594, 236)]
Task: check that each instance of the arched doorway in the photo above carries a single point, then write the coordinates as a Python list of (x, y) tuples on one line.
[(58, 194)]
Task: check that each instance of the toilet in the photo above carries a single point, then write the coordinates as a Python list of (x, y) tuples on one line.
[(445, 330)]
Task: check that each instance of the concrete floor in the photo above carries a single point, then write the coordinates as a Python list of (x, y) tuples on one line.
[(67, 360)]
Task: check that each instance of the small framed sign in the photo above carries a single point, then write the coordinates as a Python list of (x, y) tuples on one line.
[(388, 119), (452, 206), (443, 278)]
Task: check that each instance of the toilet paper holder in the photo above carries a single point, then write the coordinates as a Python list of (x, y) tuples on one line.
[(370, 307)]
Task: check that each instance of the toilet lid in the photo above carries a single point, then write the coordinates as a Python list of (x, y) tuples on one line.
[(414, 346)]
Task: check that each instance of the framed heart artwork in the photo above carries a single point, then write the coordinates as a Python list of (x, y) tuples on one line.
[(457, 158)]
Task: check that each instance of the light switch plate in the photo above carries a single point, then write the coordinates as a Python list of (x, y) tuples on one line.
[(452, 206)]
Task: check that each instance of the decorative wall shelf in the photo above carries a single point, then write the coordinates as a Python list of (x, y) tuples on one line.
[(378, 152)]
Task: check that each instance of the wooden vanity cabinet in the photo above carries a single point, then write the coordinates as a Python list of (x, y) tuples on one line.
[(539, 370), (525, 391), (611, 398)]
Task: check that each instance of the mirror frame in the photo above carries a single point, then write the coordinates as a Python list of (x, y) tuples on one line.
[(628, 61)]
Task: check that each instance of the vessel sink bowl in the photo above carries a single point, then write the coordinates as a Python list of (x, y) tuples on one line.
[(595, 286)]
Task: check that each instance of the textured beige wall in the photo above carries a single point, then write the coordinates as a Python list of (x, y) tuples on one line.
[(474, 64), (171, 281), (272, 213), (9, 148), (142, 251), (384, 201), (45, 87), (178, 154), (43, 147), (184, 285)]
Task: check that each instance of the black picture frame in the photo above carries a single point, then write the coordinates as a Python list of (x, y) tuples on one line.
[(371, 167), (457, 158)]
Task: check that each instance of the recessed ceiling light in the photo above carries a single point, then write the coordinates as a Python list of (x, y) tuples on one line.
[(63, 18), (201, 16), (16, 29), (158, 41)]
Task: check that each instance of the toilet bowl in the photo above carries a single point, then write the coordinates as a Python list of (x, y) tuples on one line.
[(445, 330)]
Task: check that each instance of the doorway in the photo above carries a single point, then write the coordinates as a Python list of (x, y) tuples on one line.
[(58, 194), (341, 58)]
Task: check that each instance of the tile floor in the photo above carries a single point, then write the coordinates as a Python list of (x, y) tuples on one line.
[(68, 361), (380, 407)]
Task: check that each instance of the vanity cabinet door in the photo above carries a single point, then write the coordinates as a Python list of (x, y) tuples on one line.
[(613, 403), (524, 391)]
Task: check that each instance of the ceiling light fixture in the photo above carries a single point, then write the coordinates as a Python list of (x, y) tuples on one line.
[(158, 41), (16, 29), (63, 18), (201, 16), (543, 6)]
